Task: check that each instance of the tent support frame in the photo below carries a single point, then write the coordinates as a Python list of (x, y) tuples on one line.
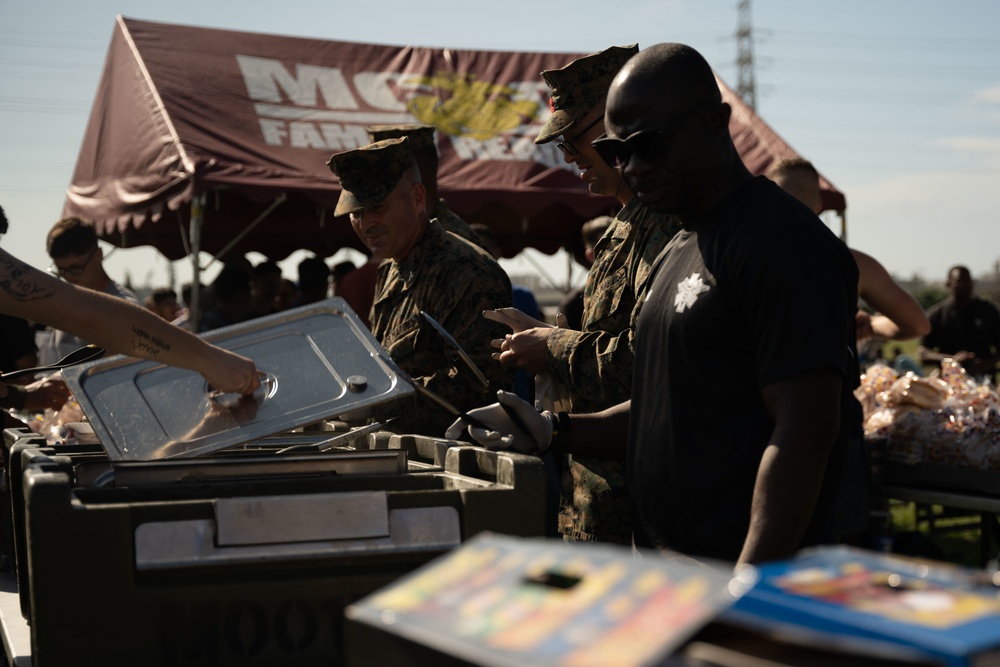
[(194, 249)]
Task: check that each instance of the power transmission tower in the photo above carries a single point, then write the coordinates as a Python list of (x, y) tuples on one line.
[(746, 82)]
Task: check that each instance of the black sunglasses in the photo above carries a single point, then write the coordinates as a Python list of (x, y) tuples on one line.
[(567, 146), (647, 144)]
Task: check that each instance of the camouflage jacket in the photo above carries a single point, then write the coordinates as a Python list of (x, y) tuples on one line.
[(454, 281), (454, 224), (595, 364)]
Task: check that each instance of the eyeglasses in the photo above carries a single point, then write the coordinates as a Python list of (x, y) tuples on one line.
[(72, 269), (647, 144), (567, 146)]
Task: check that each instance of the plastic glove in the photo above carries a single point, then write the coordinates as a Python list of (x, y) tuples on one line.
[(503, 432)]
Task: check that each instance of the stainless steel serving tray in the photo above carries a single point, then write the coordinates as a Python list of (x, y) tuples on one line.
[(317, 362)]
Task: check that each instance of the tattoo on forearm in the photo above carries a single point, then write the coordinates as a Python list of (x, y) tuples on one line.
[(16, 281), (147, 343)]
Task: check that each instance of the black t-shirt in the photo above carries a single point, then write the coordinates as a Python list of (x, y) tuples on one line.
[(16, 340), (974, 327), (760, 291)]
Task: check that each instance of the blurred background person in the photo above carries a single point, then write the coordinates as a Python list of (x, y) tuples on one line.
[(231, 300), (314, 280), (288, 295), (357, 288), (78, 259), (572, 306), (898, 316), (183, 318), (265, 283), (163, 302), (337, 274), (964, 328)]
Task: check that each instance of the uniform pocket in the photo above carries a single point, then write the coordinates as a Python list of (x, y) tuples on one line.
[(611, 303), (401, 340)]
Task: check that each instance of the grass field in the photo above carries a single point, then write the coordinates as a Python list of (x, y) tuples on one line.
[(953, 538)]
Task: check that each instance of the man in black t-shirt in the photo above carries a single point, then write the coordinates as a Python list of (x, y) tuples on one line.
[(740, 412), (719, 351), (964, 328)]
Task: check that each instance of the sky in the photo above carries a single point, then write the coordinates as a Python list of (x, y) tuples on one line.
[(897, 102)]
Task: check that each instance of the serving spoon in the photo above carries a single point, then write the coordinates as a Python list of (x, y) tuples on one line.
[(77, 356)]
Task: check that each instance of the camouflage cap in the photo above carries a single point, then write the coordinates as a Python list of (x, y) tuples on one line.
[(368, 174), (578, 87), (421, 136)]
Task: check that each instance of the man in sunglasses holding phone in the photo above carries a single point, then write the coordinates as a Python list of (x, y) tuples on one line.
[(744, 367), (593, 366), (77, 259)]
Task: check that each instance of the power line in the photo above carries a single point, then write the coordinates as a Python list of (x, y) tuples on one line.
[(883, 42), (819, 66), (871, 96), (56, 44), (20, 63)]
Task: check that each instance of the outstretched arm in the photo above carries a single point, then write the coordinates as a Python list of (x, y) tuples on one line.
[(600, 435), (899, 316), (117, 325), (806, 413)]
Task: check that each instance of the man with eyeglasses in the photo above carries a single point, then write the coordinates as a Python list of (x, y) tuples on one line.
[(740, 412), (593, 366), (77, 259)]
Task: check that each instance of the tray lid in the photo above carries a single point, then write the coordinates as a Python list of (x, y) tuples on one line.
[(317, 361)]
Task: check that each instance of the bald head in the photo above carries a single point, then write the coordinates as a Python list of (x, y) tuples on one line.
[(676, 71), (668, 129), (960, 283)]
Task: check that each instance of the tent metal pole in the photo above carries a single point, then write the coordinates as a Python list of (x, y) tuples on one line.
[(194, 308)]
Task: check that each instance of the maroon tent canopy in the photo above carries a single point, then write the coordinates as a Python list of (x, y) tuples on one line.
[(244, 124)]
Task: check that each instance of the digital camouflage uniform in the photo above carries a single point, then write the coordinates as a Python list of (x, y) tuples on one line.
[(594, 366), (454, 282), (448, 277), (423, 143)]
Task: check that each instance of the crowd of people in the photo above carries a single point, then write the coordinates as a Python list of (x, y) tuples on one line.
[(700, 402)]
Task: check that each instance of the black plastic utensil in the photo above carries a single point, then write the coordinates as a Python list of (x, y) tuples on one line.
[(77, 356), (463, 355)]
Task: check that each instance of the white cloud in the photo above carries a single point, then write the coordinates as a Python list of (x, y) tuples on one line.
[(990, 146), (989, 95), (925, 222)]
